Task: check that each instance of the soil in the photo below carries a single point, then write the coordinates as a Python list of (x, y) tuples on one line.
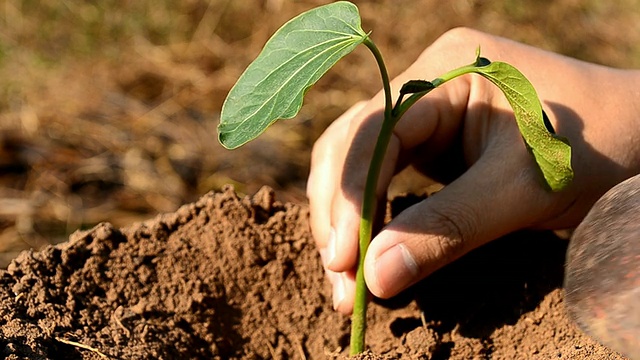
[(231, 277)]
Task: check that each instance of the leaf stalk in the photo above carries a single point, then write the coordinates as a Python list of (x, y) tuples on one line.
[(369, 206)]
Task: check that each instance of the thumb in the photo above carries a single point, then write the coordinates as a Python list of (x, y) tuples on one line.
[(497, 195)]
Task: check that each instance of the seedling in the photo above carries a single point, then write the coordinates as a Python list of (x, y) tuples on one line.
[(307, 46)]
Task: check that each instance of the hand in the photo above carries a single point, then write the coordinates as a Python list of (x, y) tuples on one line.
[(466, 134)]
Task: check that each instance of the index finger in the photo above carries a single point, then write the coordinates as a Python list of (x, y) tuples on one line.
[(433, 122), (326, 167)]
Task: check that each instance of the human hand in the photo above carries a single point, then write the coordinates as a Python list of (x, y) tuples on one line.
[(465, 131)]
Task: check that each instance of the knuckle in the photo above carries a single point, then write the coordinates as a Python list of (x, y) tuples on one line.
[(456, 38), (319, 149), (455, 230), (460, 35)]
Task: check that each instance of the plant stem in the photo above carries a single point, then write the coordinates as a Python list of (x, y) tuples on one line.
[(369, 206), (402, 106), (369, 199)]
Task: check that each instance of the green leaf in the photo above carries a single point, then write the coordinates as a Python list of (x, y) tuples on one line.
[(552, 153), (295, 57)]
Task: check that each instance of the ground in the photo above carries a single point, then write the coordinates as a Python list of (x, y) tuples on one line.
[(239, 278), (108, 111)]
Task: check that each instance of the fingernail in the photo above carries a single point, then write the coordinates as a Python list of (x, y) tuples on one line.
[(331, 246), (395, 269), (338, 291)]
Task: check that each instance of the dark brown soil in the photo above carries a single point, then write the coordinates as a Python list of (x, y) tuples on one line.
[(230, 278)]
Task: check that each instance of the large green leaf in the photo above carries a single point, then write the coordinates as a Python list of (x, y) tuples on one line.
[(295, 57), (552, 153)]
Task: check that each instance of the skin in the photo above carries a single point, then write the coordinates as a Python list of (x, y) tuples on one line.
[(465, 135)]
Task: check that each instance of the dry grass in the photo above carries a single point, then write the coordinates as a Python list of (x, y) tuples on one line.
[(108, 110)]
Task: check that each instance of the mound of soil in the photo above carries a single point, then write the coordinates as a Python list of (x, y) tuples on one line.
[(229, 278)]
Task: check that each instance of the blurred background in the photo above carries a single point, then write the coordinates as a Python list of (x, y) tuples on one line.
[(108, 110)]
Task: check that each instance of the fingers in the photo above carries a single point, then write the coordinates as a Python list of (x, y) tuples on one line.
[(347, 200), (325, 173), (340, 164), (341, 157), (344, 288), (326, 170), (432, 123), (478, 207)]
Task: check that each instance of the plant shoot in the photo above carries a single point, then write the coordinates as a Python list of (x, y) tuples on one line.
[(306, 47)]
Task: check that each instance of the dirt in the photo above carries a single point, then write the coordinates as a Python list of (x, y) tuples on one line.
[(108, 110), (231, 277)]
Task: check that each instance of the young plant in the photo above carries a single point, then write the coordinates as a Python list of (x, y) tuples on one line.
[(307, 46)]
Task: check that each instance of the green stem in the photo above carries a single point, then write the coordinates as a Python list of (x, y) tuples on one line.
[(369, 200), (402, 106), (386, 82), (454, 74), (369, 206)]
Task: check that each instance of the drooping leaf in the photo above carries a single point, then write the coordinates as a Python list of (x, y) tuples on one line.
[(551, 152), (295, 57)]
